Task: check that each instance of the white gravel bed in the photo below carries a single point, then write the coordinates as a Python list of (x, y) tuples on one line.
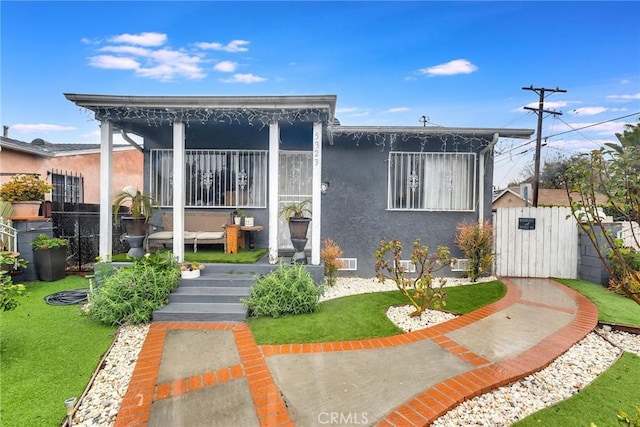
[(102, 402), (566, 376)]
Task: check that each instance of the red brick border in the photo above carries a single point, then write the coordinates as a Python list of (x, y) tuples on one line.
[(434, 402), (421, 410), (143, 389)]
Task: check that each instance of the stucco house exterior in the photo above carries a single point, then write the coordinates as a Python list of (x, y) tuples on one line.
[(260, 152), (72, 168)]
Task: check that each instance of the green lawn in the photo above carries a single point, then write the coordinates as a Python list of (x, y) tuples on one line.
[(48, 354), (612, 308), (361, 316), (616, 389)]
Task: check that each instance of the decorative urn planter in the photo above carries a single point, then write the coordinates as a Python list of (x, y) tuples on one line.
[(298, 227)]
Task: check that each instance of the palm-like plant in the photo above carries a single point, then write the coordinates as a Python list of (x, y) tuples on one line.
[(296, 209), (140, 204)]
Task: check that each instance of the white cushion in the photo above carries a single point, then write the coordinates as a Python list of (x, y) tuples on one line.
[(161, 235), (210, 235)]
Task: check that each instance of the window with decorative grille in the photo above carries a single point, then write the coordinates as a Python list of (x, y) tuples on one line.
[(431, 181), (213, 178)]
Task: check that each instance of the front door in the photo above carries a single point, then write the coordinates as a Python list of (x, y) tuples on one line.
[(295, 183)]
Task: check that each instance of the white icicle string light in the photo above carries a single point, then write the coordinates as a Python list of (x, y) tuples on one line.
[(159, 117)]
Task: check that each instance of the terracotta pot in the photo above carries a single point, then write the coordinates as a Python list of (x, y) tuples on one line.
[(28, 208)]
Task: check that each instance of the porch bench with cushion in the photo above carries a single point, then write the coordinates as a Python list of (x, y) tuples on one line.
[(199, 227)]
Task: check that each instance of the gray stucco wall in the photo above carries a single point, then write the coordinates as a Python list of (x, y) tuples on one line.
[(354, 210)]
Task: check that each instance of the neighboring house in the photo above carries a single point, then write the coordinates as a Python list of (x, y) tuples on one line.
[(260, 152), (514, 197), (73, 169)]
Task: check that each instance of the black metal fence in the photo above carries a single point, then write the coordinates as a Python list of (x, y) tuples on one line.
[(82, 227)]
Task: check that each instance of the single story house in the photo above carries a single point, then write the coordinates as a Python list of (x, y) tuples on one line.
[(514, 197), (72, 168), (260, 152)]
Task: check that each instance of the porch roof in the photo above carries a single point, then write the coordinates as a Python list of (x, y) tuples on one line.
[(167, 109), (425, 131)]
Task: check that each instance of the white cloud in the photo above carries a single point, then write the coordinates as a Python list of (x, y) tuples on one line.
[(625, 97), (589, 111), (457, 66), (226, 66), (132, 50), (161, 64), (145, 55), (548, 105), (244, 78), (142, 39), (40, 128), (232, 46), (608, 128), (113, 62), (398, 110)]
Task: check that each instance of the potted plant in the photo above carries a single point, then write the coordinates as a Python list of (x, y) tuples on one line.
[(190, 269), (26, 193), (10, 261), (50, 256), (294, 213), (237, 216), (140, 207)]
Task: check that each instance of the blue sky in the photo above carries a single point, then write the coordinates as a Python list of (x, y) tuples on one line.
[(461, 64)]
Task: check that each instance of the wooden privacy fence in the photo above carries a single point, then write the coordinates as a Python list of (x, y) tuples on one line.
[(536, 242)]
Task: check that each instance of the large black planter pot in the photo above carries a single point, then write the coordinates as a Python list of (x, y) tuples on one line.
[(134, 226), (51, 263), (298, 227)]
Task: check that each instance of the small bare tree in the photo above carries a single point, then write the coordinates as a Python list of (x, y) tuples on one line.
[(416, 286)]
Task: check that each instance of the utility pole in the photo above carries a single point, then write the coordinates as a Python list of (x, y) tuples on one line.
[(540, 110)]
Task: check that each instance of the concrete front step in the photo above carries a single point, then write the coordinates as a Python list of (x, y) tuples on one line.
[(199, 312), (218, 280), (208, 294)]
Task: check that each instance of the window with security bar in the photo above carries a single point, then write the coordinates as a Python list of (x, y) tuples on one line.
[(213, 178), (67, 188), (431, 181)]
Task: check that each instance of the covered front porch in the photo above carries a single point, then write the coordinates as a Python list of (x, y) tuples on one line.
[(219, 154)]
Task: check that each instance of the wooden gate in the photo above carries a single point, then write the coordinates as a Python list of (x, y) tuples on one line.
[(536, 242)]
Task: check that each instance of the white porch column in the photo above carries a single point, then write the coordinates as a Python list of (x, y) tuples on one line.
[(178, 190), (274, 173), (106, 190), (316, 194)]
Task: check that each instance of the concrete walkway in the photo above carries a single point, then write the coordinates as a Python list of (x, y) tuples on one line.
[(205, 374)]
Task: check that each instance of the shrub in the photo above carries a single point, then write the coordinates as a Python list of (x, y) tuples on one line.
[(331, 254), (417, 287), (131, 294), (9, 291), (45, 242), (286, 290), (476, 242), (625, 268), (23, 188)]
